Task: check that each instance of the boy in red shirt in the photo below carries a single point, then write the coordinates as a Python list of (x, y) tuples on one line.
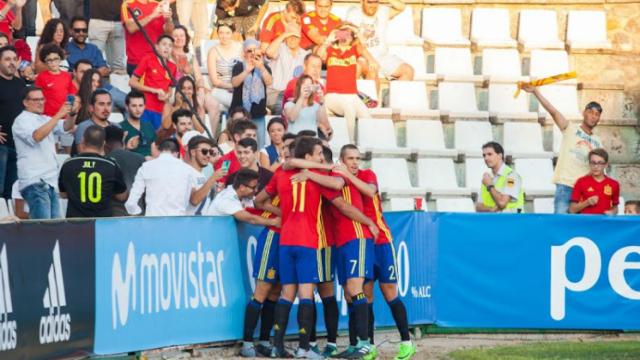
[(152, 79), (596, 193), (56, 84)]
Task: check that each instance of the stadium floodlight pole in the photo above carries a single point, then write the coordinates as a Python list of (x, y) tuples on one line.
[(174, 82)]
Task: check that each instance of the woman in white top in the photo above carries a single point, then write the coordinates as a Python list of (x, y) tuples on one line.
[(220, 61), (188, 65), (304, 112)]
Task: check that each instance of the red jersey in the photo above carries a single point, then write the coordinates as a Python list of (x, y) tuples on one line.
[(266, 214), (300, 204), (5, 23), (55, 88), (152, 74), (311, 20), (327, 236), (234, 164), (272, 28), (373, 207), (345, 228), (342, 69), (137, 47), (607, 190)]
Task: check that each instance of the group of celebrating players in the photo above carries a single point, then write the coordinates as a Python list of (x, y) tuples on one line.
[(331, 221)]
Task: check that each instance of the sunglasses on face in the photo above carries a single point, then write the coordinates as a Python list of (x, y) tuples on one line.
[(210, 152), (81, 30)]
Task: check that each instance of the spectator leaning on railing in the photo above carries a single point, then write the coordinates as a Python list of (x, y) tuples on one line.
[(596, 193), (501, 190), (90, 180), (34, 135), (200, 151), (247, 154)]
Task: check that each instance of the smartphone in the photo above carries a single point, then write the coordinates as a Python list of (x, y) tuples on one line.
[(342, 34), (71, 99), (225, 165), (315, 87)]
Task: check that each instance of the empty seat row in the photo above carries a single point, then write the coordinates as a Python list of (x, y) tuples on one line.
[(491, 27)]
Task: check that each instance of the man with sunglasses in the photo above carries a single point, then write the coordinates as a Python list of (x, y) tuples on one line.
[(200, 151), (78, 48), (596, 193)]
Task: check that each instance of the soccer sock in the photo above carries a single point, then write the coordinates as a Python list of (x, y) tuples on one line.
[(314, 322), (353, 338), (331, 316), (305, 322), (371, 323), (399, 313), (281, 317), (266, 319), (251, 314), (361, 315)]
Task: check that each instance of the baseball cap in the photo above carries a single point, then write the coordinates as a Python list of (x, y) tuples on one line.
[(594, 105)]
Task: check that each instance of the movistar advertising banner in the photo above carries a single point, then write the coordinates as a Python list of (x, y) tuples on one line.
[(538, 271), (166, 281), (46, 289)]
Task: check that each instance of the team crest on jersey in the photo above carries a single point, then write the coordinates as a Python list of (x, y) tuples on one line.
[(590, 189), (607, 190), (511, 182), (271, 274)]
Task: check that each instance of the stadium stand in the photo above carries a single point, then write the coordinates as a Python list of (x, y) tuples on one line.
[(587, 30), (491, 28), (502, 104), (455, 205), (400, 29), (502, 66), (443, 27), (438, 176), (378, 136), (469, 136), (543, 205), (538, 29), (393, 177), (427, 136), (340, 133), (455, 64), (536, 175), (458, 99), (410, 98), (406, 204), (524, 140)]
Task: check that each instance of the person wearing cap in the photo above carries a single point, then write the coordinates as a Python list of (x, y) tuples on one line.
[(501, 190), (250, 78), (286, 57), (577, 141)]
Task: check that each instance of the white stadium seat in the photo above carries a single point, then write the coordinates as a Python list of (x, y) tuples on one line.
[(443, 26), (379, 137), (427, 136), (543, 205), (205, 46), (400, 29), (405, 204), (503, 105), (564, 98), (490, 28), (536, 176), (414, 56), (455, 205), (368, 87), (474, 169), (121, 82), (438, 176), (587, 30), (63, 207), (469, 136), (32, 41), (455, 64), (502, 65), (410, 97), (116, 118), (393, 177), (459, 100), (524, 139), (340, 133), (538, 29), (4, 208), (548, 63)]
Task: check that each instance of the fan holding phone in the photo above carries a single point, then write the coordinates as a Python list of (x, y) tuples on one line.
[(307, 111)]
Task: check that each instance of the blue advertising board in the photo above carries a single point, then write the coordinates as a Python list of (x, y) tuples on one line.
[(167, 281), (538, 271)]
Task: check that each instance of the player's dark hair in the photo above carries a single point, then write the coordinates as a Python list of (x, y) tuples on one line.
[(134, 94), (113, 135), (197, 140), (249, 143), (328, 154), (241, 126), (164, 36), (347, 147), (244, 177), (305, 146), (80, 62), (599, 152), (288, 136), (495, 146), (94, 136), (180, 113), (94, 95), (170, 145)]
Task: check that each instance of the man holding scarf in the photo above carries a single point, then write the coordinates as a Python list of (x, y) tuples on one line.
[(250, 79)]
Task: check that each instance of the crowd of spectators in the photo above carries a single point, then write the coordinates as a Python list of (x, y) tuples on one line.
[(184, 137)]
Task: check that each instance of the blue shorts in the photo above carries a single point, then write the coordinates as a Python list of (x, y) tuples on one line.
[(153, 118), (355, 260), (265, 261), (326, 264), (385, 269), (298, 265)]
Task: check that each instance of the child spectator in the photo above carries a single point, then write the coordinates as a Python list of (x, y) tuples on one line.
[(55, 83)]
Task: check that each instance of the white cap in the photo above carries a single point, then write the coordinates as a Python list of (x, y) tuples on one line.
[(188, 136)]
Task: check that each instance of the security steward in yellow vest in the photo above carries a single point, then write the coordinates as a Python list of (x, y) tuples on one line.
[(501, 190)]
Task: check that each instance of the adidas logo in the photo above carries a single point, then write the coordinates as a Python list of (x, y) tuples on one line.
[(56, 326), (8, 328)]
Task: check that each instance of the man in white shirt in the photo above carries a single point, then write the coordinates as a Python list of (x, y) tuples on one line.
[(372, 20), (200, 151), (167, 181), (35, 138), (235, 198)]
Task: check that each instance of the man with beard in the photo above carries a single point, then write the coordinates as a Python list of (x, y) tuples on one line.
[(78, 48), (140, 136), (100, 109)]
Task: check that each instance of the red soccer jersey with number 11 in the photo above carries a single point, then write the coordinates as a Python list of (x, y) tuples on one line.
[(300, 204)]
